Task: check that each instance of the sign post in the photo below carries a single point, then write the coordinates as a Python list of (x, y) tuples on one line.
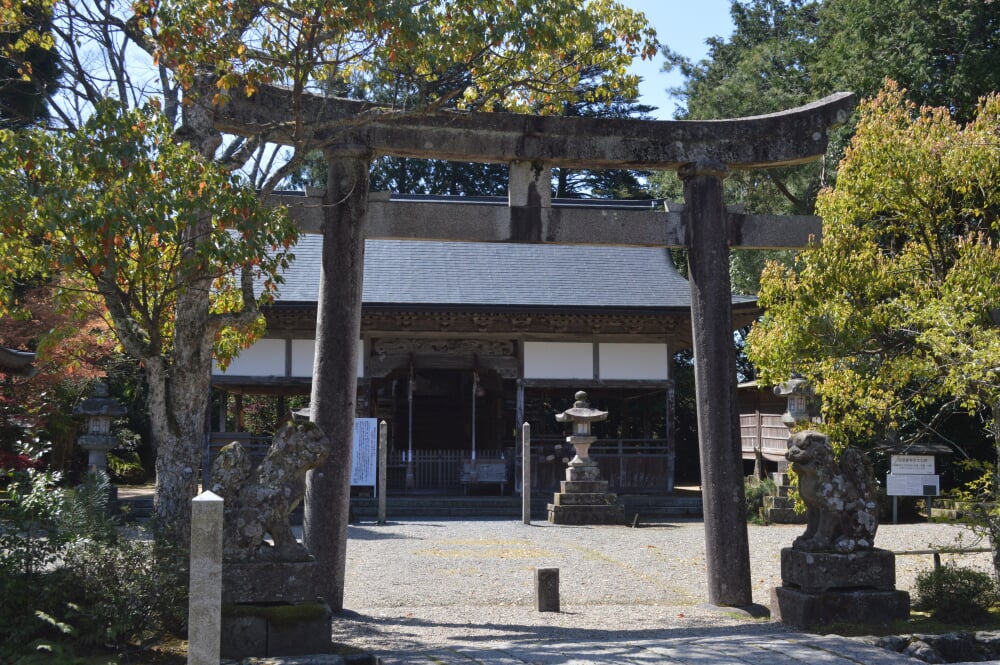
[(364, 457), (912, 475)]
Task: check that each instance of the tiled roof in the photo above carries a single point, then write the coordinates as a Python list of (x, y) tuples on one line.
[(429, 273)]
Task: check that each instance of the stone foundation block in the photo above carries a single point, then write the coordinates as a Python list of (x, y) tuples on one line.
[(270, 581), (583, 472), (605, 514), (585, 499), (823, 571), (866, 606), (275, 629), (583, 486)]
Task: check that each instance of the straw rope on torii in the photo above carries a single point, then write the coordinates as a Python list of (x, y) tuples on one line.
[(352, 133)]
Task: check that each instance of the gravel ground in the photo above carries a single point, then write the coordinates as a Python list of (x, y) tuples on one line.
[(419, 584)]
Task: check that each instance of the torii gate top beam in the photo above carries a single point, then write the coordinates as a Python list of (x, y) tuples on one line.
[(777, 139)]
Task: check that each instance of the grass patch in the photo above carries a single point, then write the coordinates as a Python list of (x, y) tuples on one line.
[(919, 622)]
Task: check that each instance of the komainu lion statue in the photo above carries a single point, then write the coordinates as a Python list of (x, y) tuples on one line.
[(259, 501), (841, 498)]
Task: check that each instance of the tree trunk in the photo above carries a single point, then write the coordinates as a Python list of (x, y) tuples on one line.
[(334, 388), (179, 388), (993, 511)]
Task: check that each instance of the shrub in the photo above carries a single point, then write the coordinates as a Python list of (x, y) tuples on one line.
[(125, 467), (755, 490), (69, 577), (955, 594)]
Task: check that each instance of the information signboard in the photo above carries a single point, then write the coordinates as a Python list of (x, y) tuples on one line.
[(364, 460), (912, 484), (912, 464)]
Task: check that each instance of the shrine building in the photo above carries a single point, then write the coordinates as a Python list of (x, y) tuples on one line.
[(464, 341)]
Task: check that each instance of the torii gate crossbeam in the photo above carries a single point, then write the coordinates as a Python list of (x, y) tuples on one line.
[(703, 152)]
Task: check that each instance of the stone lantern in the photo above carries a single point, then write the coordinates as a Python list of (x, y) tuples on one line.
[(581, 467), (798, 391), (99, 410), (583, 497), (780, 508)]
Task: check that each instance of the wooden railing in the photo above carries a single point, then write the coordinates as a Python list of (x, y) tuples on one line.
[(765, 431), (629, 465)]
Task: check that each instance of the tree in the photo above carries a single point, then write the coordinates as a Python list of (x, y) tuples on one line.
[(944, 53), (165, 266), (786, 52), (29, 68), (136, 228), (893, 317)]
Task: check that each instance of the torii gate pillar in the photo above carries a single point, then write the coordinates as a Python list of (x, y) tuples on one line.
[(727, 552), (334, 386)]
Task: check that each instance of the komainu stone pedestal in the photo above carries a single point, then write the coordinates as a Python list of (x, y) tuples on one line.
[(820, 588), (269, 609)]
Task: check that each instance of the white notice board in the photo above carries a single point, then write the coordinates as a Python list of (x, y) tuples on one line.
[(912, 484), (912, 464), (364, 461)]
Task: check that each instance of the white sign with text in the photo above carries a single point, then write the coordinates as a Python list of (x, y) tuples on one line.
[(364, 461), (912, 464), (912, 484)]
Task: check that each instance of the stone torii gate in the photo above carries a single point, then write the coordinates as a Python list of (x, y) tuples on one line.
[(352, 133)]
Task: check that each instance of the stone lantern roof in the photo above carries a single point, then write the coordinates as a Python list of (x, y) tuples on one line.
[(581, 412), (100, 404)]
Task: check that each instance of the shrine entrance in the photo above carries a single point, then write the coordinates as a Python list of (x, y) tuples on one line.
[(702, 152)]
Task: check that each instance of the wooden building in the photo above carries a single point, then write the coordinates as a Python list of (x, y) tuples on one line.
[(462, 342)]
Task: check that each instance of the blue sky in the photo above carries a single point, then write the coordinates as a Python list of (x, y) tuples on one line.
[(683, 25)]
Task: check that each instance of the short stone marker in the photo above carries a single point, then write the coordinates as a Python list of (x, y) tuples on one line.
[(205, 597), (547, 589)]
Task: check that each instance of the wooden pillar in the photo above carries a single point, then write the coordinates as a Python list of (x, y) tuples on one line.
[(727, 552), (239, 413), (334, 386), (669, 433)]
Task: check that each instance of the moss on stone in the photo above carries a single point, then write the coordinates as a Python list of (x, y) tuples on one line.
[(278, 614)]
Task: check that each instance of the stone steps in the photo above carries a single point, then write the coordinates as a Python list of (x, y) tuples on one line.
[(781, 510)]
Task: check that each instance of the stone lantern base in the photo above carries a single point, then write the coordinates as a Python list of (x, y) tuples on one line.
[(584, 498)]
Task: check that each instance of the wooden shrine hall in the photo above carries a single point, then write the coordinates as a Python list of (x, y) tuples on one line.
[(462, 341)]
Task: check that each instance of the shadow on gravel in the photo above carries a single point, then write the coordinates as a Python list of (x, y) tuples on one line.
[(578, 639), (355, 532)]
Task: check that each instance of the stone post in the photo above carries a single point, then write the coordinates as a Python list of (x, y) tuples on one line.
[(335, 375), (727, 552), (205, 599), (526, 473), (547, 589)]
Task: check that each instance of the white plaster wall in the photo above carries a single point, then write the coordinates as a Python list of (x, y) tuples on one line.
[(558, 360), (265, 358), (634, 361), (304, 354)]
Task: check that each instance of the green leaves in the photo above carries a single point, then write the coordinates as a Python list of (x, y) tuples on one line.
[(126, 219), (890, 316), (473, 54)]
